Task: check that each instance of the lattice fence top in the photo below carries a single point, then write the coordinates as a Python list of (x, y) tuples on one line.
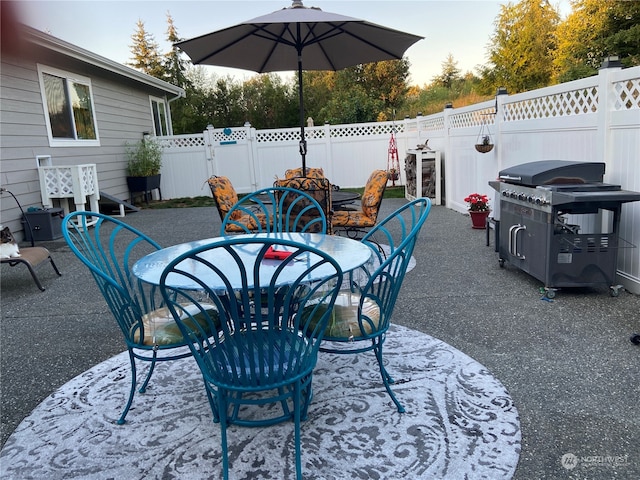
[(267, 136), (474, 118), (433, 123), (182, 141), (627, 95), (573, 102)]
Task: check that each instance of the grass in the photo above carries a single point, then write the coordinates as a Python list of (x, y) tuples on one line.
[(390, 192)]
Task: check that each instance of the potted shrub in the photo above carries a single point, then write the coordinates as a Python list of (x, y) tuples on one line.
[(479, 210), (143, 167)]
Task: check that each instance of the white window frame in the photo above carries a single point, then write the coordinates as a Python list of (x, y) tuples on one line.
[(68, 77), (167, 116)]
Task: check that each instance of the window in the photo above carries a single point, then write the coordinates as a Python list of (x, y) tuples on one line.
[(160, 117), (68, 105)]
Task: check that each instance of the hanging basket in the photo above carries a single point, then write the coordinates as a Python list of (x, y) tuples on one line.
[(483, 142), (484, 147)]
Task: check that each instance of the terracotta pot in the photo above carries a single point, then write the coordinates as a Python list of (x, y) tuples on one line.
[(479, 219)]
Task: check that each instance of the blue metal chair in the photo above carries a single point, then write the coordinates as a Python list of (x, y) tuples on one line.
[(258, 370), (109, 249), (362, 314), (275, 209)]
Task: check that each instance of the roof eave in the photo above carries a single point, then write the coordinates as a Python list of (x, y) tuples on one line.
[(53, 43)]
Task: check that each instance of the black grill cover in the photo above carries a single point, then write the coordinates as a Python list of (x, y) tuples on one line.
[(548, 172)]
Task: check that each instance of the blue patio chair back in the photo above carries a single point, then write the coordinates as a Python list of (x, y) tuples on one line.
[(108, 248), (275, 209), (257, 370), (362, 314)]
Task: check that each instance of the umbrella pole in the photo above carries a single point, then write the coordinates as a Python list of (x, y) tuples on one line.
[(303, 141)]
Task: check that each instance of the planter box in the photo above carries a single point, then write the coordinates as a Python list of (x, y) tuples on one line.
[(143, 185)]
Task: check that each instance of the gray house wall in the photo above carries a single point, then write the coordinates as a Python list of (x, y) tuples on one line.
[(122, 112)]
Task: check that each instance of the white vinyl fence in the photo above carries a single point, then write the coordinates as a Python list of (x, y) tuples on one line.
[(596, 119)]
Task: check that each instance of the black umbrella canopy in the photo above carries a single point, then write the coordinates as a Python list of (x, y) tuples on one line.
[(297, 38)]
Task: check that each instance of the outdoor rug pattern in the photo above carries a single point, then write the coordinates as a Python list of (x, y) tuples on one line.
[(460, 423)]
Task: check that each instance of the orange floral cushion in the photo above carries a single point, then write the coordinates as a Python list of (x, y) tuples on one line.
[(373, 193), (224, 194), (311, 173), (317, 188), (347, 218)]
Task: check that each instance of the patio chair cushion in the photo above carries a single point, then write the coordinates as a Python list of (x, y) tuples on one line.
[(351, 218), (161, 329), (311, 172), (319, 188), (373, 193), (245, 220), (343, 322), (224, 194), (369, 205)]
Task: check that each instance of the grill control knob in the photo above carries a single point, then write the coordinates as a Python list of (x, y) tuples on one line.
[(513, 194), (505, 193), (530, 199), (538, 201), (522, 197)]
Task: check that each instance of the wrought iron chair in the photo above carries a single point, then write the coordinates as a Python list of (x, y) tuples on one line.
[(362, 314), (258, 370), (109, 251), (226, 197), (275, 209), (355, 223), (318, 188), (31, 257), (310, 172)]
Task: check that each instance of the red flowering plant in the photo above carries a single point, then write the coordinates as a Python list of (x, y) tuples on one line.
[(477, 202)]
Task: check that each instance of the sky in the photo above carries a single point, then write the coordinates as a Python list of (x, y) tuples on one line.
[(461, 28)]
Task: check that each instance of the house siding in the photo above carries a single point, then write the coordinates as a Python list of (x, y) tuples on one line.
[(122, 113)]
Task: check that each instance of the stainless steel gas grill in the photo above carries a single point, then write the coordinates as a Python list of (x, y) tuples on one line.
[(559, 223)]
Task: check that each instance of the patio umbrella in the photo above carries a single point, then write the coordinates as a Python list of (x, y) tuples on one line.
[(297, 37)]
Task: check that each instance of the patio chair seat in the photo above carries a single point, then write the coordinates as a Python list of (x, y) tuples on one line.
[(354, 222), (32, 258), (345, 322), (362, 315), (275, 209), (352, 218), (161, 328)]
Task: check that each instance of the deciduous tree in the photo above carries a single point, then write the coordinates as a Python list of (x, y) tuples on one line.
[(521, 50)]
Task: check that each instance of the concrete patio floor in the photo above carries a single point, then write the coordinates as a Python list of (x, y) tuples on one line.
[(568, 363)]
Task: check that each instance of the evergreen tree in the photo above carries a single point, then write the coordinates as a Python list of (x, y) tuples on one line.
[(174, 65), (145, 51), (450, 73)]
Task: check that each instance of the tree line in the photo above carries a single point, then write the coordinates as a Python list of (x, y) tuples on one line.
[(531, 47)]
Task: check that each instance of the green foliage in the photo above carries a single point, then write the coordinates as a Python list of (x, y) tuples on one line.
[(144, 158), (593, 30), (521, 49)]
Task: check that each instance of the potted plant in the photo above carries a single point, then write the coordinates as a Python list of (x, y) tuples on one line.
[(143, 167), (479, 210), (485, 144)]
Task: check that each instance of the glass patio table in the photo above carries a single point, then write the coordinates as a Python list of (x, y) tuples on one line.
[(350, 254)]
